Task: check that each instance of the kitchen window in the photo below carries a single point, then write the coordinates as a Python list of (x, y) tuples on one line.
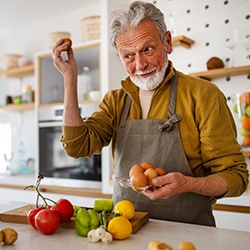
[(5, 146)]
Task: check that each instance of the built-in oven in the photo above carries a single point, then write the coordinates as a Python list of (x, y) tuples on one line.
[(58, 168)]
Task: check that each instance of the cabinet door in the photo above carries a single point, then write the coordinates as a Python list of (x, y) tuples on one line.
[(50, 80)]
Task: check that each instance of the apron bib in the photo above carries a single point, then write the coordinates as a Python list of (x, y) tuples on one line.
[(159, 142)]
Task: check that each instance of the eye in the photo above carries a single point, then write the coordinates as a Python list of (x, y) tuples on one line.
[(147, 49), (128, 58)]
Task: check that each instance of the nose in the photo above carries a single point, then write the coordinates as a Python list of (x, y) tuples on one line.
[(141, 62)]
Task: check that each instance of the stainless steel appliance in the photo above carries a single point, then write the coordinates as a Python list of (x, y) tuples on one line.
[(60, 169)]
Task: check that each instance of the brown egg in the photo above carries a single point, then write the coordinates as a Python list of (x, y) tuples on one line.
[(67, 40), (151, 174), (147, 165), (160, 171), (136, 168), (139, 179)]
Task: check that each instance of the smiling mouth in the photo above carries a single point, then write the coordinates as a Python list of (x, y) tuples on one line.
[(146, 73)]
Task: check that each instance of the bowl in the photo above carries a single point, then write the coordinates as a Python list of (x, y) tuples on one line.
[(95, 95)]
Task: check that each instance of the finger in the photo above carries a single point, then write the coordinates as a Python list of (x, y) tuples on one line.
[(70, 54), (57, 44)]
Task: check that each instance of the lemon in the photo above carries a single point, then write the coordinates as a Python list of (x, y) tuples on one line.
[(126, 208), (120, 227)]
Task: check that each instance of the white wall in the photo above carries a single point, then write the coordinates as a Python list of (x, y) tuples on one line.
[(35, 37)]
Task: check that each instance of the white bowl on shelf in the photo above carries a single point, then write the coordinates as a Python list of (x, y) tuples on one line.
[(95, 95)]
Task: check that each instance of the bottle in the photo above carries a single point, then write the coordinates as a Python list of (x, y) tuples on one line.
[(84, 84), (26, 93), (21, 156)]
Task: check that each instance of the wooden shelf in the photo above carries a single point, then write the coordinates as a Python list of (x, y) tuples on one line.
[(18, 107), (182, 41), (18, 72), (222, 72)]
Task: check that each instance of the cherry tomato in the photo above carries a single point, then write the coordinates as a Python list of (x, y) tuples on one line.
[(65, 209), (47, 221), (31, 216)]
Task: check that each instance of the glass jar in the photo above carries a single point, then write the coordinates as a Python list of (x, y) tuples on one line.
[(26, 93), (84, 84)]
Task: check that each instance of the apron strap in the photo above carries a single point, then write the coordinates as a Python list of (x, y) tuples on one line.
[(172, 117), (125, 112), (173, 94)]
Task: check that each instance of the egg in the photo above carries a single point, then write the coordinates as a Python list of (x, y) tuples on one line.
[(139, 179), (147, 165), (160, 171), (136, 168), (150, 173), (67, 40)]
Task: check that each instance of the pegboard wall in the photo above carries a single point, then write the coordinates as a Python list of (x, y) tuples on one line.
[(207, 22)]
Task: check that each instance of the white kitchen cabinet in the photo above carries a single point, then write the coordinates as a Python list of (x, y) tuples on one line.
[(50, 81)]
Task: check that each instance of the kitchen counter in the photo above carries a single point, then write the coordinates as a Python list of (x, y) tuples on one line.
[(230, 213), (171, 233)]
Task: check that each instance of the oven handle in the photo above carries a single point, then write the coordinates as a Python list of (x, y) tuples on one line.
[(50, 124)]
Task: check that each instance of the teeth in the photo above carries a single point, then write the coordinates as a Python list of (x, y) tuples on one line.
[(145, 72)]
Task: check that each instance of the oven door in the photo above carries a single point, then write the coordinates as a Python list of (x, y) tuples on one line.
[(55, 163)]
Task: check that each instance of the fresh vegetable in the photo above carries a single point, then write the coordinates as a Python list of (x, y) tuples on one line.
[(98, 234), (107, 239), (31, 215), (155, 244), (120, 227), (9, 235), (92, 236), (85, 221), (47, 221), (125, 208), (45, 217), (103, 205), (94, 220), (65, 209), (76, 208)]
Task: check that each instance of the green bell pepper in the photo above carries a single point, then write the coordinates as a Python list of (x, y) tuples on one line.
[(94, 220), (76, 208), (85, 221), (103, 205)]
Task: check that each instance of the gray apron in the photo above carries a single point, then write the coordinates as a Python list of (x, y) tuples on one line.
[(159, 142)]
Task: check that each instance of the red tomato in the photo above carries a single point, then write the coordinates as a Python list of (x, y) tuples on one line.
[(47, 221), (65, 209), (31, 216)]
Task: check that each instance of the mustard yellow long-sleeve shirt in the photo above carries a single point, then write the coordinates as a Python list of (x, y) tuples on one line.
[(207, 128)]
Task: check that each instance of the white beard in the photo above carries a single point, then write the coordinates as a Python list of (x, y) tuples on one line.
[(151, 82)]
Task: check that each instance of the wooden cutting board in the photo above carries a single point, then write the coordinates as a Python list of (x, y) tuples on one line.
[(19, 215)]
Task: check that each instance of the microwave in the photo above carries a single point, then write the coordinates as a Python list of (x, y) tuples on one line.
[(58, 168)]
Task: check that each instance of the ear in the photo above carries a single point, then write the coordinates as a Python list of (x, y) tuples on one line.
[(169, 45)]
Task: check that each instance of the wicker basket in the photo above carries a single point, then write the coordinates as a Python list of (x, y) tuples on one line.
[(56, 36), (10, 61), (90, 28)]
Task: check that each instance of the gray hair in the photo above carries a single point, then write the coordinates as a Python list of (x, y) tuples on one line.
[(132, 16)]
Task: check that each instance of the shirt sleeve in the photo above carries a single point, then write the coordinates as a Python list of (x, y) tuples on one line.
[(221, 152), (96, 133)]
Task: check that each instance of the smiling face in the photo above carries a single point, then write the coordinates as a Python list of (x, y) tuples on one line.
[(144, 55)]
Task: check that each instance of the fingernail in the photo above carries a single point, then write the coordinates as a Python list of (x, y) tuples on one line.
[(155, 181)]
